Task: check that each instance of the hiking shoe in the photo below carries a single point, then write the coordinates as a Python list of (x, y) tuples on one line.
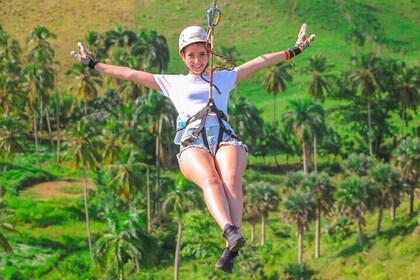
[(234, 238), (225, 263)]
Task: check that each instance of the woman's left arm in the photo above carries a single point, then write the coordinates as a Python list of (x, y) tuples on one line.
[(249, 68)]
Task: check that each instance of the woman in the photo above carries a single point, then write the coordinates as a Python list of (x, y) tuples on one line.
[(210, 155)]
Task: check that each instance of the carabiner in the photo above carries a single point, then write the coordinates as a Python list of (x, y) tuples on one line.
[(210, 16)]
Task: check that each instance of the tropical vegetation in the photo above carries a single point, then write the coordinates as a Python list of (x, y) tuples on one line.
[(325, 163)]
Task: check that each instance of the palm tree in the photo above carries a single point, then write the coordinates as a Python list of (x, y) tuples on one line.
[(247, 122), (33, 86), (323, 191), (358, 164), (357, 36), (265, 200), (305, 118), (111, 137), (275, 81), (12, 141), (41, 54), (387, 184), (96, 44), (407, 88), (86, 83), (41, 51), (299, 208), (407, 158), (354, 199), (319, 84), (9, 46), (127, 176), (365, 78), (120, 36), (124, 242), (179, 201), (10, 85), (10, 68), (152, 50), (158, 115), (5, 216), (82, 150)]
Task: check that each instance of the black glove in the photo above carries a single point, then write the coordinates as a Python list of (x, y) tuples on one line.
[(84, 57), (302, 42)]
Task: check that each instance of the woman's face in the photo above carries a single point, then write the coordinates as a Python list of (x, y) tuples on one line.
[(195, 57)]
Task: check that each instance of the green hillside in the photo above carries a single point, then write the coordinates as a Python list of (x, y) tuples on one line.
[(253, 27)]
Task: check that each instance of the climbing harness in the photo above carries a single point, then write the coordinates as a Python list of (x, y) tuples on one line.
[(213, 19)]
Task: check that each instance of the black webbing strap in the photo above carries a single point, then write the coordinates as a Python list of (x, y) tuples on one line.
[(202, 116)]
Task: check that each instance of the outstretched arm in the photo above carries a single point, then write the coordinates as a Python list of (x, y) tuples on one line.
[(124, 73), (248, 68)]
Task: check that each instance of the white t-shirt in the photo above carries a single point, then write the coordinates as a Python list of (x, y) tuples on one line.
[(190, 93)]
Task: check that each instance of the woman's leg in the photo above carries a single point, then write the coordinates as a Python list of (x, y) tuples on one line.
[(231, 163), (198, 166)]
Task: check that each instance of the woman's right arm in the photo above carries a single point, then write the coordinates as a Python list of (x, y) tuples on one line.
[(139, 77), (124, 73)]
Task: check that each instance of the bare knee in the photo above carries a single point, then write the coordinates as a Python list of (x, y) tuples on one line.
[(210, 181), (233, 182)]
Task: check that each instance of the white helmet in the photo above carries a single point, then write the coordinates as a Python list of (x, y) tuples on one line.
[(190, 35)]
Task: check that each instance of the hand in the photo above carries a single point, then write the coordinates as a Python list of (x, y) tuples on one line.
[(302, 42), (84, 57)]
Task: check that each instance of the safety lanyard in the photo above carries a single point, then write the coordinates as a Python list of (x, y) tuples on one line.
[(213, 19)]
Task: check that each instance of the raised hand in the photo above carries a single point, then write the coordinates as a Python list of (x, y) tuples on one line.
[(84, 56), (303, 42)]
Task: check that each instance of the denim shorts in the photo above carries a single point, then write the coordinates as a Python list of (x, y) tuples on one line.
[(212, 134)]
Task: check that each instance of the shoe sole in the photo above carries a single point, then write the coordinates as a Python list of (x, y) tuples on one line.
[(222, 269), (237, 245)]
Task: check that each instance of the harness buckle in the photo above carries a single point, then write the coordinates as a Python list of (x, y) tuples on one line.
[(194, 135)]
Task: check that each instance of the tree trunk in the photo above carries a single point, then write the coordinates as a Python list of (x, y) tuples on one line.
[(157, 164), (380, 214), (36, 137), (262, 229), (41, 121), (149, 214), (49, 129), (315, 158), (305, 160), (300, 246), (360, 232), (252, 233), (85, 194), (370, 130), (2, 187), (393, 209), (57, 112), (275, 109), (318, 233), (411, 207), (178, 250), (403, 121)]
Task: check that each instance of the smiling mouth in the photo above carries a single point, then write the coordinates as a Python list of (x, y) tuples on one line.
[(196, 69)]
